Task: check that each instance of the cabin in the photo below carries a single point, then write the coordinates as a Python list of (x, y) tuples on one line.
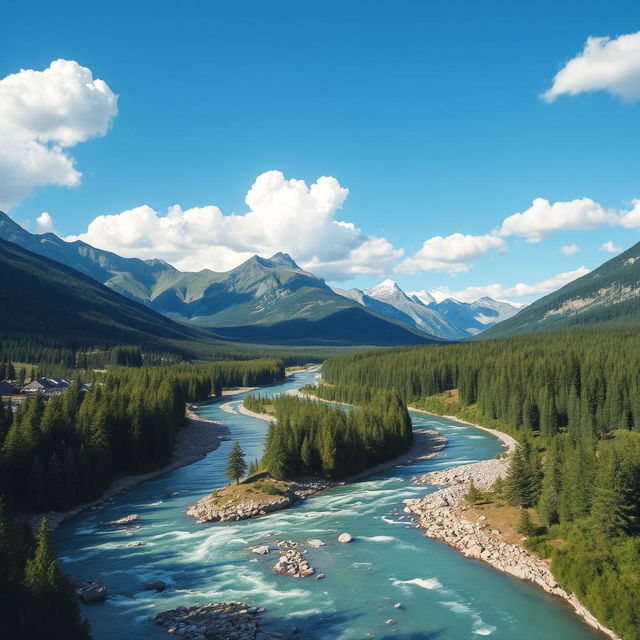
[(7, 389), (48, 386)]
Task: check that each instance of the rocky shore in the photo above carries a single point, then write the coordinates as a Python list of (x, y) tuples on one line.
[(208, 509), (442, 515), (228, 620)]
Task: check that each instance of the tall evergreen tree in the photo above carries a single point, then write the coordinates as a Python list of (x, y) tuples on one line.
[(236, 465)]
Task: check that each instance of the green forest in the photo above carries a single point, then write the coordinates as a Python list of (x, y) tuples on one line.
[(58, 453), (573, 401), (313, 438)]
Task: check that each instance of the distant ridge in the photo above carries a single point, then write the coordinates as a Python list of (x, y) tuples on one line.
[(262, 300), (608, 296)]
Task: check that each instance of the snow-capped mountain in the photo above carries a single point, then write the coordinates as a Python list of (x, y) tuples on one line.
[(422, 296), (449, 319), (475, 317)]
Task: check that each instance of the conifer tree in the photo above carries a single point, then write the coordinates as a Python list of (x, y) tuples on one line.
[(525, 524), (236, 465), (50, 594), (549, 502)]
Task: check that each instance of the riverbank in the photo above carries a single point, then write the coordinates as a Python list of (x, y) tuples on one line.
[(194, 441), (427, 443), (508, 441), (444, 516)]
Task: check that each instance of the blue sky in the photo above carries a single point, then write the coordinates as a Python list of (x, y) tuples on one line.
[(429, 113)]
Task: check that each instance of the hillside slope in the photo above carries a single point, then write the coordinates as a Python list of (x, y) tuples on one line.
[(45, 301), (262, 300), (609, 296)]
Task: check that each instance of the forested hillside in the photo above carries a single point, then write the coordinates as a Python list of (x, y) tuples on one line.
[(270, 301), (573, 400), (609, 296)]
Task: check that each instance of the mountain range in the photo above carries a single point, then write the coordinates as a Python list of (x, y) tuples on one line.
[(269, 300), (607, 296), (449, 319)]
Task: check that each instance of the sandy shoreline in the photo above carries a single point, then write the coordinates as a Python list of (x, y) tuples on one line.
[(508, 441)]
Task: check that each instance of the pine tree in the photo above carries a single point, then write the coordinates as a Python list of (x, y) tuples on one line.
[(525, 524), (549, 502), (51, 595), (474, 495), (609, 511), (236, 466)]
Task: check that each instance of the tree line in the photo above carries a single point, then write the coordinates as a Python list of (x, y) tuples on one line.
[(59, 453), (313, 438), (573, 401)]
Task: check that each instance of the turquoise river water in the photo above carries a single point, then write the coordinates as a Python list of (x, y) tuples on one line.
[(444, 595)]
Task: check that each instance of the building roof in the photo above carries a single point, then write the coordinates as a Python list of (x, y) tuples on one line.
[(7, 389)]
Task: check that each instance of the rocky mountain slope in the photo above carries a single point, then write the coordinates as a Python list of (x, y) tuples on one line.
[(609, 295)]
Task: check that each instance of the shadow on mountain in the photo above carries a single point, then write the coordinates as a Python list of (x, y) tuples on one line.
[(349, 326)]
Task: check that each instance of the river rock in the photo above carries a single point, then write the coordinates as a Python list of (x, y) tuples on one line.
[(314, 542), (261, 550), (91, 591), (344, 538), (292, 563), (120, 522), (229, 620)]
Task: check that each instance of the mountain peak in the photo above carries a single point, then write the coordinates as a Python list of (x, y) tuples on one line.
[(284, 259), (422, 297), (386, 286)]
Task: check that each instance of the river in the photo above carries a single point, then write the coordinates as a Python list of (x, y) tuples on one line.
[(444, 596)]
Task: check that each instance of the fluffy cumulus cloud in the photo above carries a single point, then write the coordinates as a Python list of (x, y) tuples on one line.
[(284, 215), (450, 254), (42, 115), (570, 250), (519, 290), (610, 247), (44, 223), (605, 64), (543, 218)]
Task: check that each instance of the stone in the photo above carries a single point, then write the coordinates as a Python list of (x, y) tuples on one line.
[(397, 605), (96, 592), (120, 522), (320, 576), (155, 585), (390, 621), (261, 550), (314, 542), (345, 538)]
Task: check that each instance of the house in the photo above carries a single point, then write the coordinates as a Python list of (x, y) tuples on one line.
[(7, 389), (49, 386)]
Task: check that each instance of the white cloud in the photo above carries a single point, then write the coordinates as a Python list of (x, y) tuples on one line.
[(610, 247), (284, 215), (42, 115), (605, 64), (570, 249), (519, 290), (451, 254), (44, 223), (543, 218), (631, 219)]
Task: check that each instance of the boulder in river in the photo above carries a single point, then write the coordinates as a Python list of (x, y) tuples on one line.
[(91, 591), (121, 522), (314, 542), (261, 550), (344, 538)]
